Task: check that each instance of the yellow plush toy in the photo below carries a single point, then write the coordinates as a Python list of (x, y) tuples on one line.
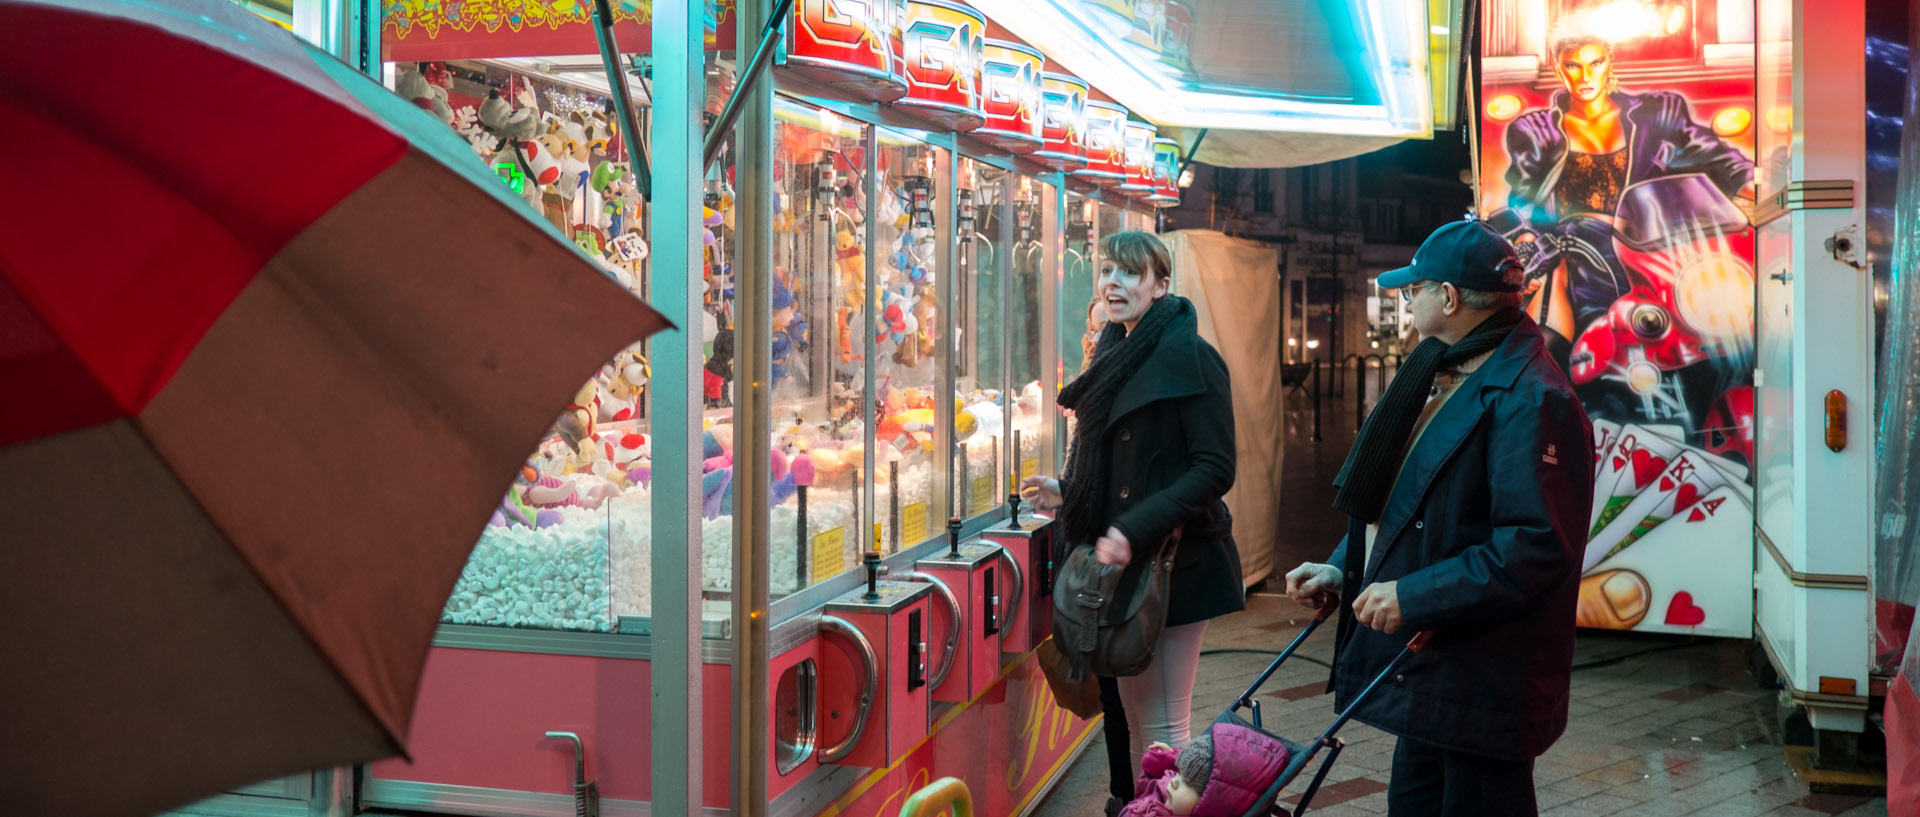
[(853, 266)]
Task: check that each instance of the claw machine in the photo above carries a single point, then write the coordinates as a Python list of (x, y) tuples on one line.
[(766, 538)]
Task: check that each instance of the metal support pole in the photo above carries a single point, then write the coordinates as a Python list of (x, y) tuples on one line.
[(946, 222), (752, 431), (1051, 277), (1191, 152), (1359, 394), (637, 157), (870, 355), (748, 81), (347, 29), (1316, 400), (674, 227)]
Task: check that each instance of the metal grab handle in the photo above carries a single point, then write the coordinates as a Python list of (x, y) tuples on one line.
[(953, 632), (1012, 610), (870, 687), (586, 796)]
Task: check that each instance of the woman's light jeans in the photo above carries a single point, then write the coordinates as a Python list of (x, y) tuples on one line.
[(1159, 702)]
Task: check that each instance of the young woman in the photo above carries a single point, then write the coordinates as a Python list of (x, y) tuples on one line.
[(1152, 454)]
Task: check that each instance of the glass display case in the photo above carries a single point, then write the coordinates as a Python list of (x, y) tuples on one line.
[(569, 547), (979, 363), (1026, 315), (906, 503), (1081, 317), (818, 358), (561, 550)]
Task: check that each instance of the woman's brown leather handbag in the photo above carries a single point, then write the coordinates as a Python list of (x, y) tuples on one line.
[(1099, 630)]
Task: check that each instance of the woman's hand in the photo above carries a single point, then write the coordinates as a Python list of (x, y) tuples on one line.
[(1043, 493), (1113, 548)]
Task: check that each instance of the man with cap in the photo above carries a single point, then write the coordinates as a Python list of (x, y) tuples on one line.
[(1468, 491)]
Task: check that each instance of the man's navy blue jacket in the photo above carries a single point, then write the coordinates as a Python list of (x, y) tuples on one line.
[(1483, 532)]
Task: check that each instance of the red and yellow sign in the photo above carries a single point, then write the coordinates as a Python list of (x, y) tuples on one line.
[(1166, 173), (1105, 138), (1010, 96), (427, 30), (945, 43), (851, 46), (1137, 146), (1063, 111)]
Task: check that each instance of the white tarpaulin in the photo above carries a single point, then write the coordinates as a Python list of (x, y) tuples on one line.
[(1235, 285)]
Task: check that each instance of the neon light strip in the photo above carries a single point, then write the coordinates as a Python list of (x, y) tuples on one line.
[(1396, 59)]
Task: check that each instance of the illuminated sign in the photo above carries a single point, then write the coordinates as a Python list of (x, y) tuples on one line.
[(1138, 52), (1136, 142), (1010, 83), (1166, 173), (1105, 138), (1063, 109), (945, 44), (851, 46)]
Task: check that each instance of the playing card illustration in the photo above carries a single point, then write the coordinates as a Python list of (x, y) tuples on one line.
[(1683, 584), (1683, 483), (1637, 459)]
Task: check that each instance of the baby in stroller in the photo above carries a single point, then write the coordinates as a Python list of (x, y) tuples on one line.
[(1223, 773)]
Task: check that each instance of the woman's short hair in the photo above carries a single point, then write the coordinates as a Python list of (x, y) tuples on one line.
[(1139, 251)]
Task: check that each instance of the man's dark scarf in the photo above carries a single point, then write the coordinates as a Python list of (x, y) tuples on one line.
[(1367, 478), (1117, 356)]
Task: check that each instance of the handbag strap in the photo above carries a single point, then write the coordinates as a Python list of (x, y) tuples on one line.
[(1162, 558)]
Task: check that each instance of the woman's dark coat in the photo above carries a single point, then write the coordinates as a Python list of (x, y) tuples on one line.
[(1171, 434)]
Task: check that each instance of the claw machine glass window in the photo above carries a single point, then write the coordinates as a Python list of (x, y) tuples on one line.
[(818, 358), (907, 502), (1082, 317), (979, 342), (1026, 331), (559, 550)]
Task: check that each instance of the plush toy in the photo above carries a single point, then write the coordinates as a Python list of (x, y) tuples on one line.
[(852, 262), (789, 329), (424, 94), (718, 371), (576, 422), (923, 315), (517, 129), (626, 387)]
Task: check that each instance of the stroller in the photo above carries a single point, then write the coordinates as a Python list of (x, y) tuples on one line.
[(1300, 754)]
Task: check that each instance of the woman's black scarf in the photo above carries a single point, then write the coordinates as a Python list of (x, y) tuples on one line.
[(1117, 355), (1367, 478)]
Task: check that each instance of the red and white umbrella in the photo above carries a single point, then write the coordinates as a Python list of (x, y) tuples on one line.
[(273, 343)]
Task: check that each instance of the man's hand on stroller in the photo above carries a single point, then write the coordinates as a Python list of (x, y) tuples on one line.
[(1378, 607), (1314, 585)]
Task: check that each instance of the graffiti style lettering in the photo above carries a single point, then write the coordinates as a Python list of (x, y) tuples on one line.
[(849, 24), (930, 50), (1003, 82), (915, 782)]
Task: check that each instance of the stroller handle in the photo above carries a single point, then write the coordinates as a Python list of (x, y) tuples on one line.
[(1246, 698)]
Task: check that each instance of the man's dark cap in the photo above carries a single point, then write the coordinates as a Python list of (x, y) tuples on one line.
[(1467, 254)]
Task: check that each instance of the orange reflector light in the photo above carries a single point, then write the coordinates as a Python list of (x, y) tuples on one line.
[(1836, 423)]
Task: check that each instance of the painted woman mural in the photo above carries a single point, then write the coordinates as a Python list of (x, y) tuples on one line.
[(1627, 193)]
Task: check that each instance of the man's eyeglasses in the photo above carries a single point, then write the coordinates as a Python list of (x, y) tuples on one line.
[(1406, 292)]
